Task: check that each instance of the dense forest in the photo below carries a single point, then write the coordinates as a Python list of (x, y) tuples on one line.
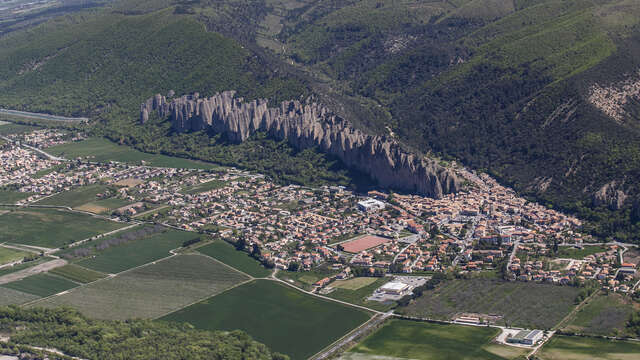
[(75, 335), (502, 86)]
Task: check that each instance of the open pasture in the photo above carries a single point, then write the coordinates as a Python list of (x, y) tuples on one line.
[(103, 150), (357, 290), (354, 283), (41, 285), (569, 252), (50, 228), (587, 348), (76, 197), (103, 206), (9, 255), (285, 319), (12, 197), (226, 253), (429, 341), (135, 253), (152, 290), (78, 273), (209, 185), (602, 315), (531, 305)]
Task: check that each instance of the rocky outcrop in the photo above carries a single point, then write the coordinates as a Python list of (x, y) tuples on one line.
[(610, 195), (306, 125)]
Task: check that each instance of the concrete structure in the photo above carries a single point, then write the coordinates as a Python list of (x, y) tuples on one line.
[(526, 337), (369, 205), (394, 288)]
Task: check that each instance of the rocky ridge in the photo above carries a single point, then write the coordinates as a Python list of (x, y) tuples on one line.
[(305, 125)]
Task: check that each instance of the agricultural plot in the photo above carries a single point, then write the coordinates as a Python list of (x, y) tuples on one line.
[(152, 290), (225, 252), (78, 273), (522, 304), (14, 297), (603, 315), (9, 255), (427, 341), (9, 128), (103, 150), (209, 185), (76, 197), (587, 348), (41, 285), (135, 253), (12, 197), (50, 228), (103, 206), (23, 266), (286, 320)]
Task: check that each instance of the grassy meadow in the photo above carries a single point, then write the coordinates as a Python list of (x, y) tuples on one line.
[(41, 285), (14, 297), (77, 273), (50, 228), (8, 255), (429, 341), (287, 320), (588, 348), (602, 315), (357, 290)]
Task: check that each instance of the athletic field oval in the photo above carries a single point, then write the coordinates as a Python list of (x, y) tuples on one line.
[(285, 319)]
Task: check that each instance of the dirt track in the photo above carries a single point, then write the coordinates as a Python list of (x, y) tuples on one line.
[(18, 275)]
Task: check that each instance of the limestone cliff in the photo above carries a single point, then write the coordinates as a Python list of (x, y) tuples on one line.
[(306, 125)]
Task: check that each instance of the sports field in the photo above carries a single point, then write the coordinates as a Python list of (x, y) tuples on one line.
[(41, 285), (13, 297), (364, 243), (588, 348), (225, 252), (50, 228), (76, 197), (135, 253), (78, 273), (602, 315), (150, 291), (103, 150), (286, 320), (9, 255), (539, 306), (427, 341)]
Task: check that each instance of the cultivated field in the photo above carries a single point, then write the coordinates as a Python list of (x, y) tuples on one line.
[(287, 320), (11, 197), (14, 297), (103, 206), (9, 255), (78, 273), (76, 197), (41, 285), (521, 304), (50, 228), (354, 284), (428, 341), (103, 150), (152, 290), (587, 348), (137, 252), (225, 252), (603, 315), (23, 266)]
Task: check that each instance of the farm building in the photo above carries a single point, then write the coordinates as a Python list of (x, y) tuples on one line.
[(526, 337)]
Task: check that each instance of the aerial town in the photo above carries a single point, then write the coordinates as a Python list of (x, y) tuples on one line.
[(297, 228)]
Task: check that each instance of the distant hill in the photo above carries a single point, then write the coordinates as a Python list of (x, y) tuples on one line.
[(542, 94)]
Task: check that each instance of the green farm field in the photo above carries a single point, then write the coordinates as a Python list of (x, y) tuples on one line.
[(11, 197), (78, 273), (103, 150), (50, 228), (135, 253), (12, 128), (522, 304), (75, 197), (427, 341), (210, 185), (225, 252), (287, 320), (602, 315), (587, 348), (574, 253), (152, 290), (8, 255), (41, 285), (14, 297)]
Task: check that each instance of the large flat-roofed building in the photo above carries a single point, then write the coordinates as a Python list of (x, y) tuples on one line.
[(526, 337), (394, 288), (369, 205)]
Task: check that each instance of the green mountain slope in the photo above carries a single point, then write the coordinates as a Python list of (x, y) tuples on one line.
[(543, 94)]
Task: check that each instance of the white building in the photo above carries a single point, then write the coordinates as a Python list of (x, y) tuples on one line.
[(370, 205), (394, 288)]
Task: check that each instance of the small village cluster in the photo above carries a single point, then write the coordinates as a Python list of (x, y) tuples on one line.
[(485, 227)]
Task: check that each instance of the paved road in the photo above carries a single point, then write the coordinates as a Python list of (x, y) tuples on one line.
[(31, 115)]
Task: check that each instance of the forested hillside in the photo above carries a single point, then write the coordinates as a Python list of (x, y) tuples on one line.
[(542, 94)]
